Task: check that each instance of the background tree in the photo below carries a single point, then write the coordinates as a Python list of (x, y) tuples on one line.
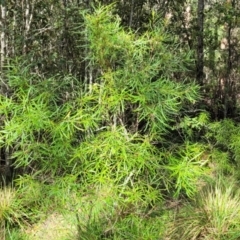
[(200, 42)]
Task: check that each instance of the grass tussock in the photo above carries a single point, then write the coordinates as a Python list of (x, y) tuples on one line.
[(214, 215)]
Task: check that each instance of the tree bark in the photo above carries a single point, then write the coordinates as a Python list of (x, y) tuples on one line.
[(131, 14), (2, 35), (200, 42), (228, 91)]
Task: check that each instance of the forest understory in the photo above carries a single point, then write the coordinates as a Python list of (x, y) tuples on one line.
[(119, 120)]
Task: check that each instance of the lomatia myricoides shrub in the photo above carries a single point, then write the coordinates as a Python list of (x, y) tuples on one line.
[(105, 129)]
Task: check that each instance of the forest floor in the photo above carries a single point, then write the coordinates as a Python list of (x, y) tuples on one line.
[(55, 226)]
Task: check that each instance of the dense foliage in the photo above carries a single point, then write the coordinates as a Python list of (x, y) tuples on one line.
[(108, 119)]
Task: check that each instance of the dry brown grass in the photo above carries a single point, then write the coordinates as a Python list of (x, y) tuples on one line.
[(54, 227)]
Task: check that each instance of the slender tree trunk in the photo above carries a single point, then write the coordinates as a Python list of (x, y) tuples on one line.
[(28, 20), (228, 84), (131, 14), (2, 35), (200, 43)]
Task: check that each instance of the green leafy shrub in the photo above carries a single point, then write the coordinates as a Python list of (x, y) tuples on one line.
[(192, 127), (103, 132), (222, 132), (187, 167), (224, 139), (104, 129)]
